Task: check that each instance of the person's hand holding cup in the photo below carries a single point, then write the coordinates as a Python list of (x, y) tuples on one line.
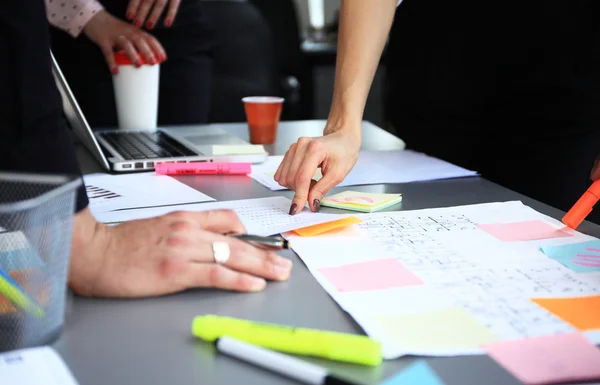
[(262, 114), (136, 93)]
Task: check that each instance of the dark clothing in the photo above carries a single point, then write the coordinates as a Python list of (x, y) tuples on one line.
[(185, 78), (33, 134), (510, 89)]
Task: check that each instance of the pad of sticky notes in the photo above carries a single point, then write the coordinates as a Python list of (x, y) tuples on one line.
[(361, 201), (321, 228), (238, 149)]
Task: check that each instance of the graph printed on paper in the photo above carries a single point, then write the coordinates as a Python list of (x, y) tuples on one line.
[(97, 193)]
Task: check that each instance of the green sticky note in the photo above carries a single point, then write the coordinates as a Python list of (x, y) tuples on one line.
[(447, 329)]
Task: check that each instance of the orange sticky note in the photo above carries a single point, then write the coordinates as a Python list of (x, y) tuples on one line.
[(582, 313), (310, 231)]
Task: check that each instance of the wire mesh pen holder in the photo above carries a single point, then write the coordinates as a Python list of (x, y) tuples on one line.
[(36, 218)]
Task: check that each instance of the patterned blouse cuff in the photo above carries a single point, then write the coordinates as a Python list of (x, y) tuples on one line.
[(82, 17)]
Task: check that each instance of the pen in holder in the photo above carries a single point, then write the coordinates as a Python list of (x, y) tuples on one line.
[(36, 217)]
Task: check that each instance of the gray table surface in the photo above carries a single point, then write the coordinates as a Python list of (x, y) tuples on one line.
[(148, 341)]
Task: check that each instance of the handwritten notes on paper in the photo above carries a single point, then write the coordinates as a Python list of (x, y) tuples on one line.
[(581, 312), (447, 329), (418, 373), (473, 289), (523, 231), (373, 275), (581, 257), (361, 201), (548, 359)]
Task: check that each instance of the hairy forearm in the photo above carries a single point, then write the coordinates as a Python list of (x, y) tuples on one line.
[(364, 27)]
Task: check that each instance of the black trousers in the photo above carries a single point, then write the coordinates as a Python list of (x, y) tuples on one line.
[(33, 134), (185, 78), (509, 89)]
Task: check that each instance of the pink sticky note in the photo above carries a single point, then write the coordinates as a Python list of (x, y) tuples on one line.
[(523, 231), (373, 275), (549, 359)]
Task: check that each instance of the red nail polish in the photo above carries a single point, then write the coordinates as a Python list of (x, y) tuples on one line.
[(149, 25), (153, 61), (115, 70), (138, 63), (168, 22), (130, 15), (137, 23)]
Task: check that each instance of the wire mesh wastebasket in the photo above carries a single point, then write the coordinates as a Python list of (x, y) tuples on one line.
[(36, 218)]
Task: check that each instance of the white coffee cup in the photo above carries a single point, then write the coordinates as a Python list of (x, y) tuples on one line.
[(136, 94)]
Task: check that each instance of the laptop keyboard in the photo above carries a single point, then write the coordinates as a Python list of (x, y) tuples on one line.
[(145, 145)]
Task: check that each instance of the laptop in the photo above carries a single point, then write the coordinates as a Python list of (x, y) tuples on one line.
[(126, 151)]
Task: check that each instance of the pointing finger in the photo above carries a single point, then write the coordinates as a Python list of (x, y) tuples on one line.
[(322, 187)]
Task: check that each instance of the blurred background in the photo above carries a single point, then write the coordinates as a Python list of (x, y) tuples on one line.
[(281, 47)]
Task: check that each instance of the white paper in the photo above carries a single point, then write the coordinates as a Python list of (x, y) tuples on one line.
[(117, 192), (34, 366), (376, 167), (263, 216), (459, 264)]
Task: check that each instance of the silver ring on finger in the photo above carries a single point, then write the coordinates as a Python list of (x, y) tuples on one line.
[(221, 252)]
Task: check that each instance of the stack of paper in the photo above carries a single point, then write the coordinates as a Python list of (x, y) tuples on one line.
[(375, 167), (361, 201), (262, 216)]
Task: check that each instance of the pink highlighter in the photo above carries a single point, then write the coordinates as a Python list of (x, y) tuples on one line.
[(204, 168)]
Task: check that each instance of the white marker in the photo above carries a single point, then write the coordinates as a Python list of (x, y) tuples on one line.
[(280, 363)]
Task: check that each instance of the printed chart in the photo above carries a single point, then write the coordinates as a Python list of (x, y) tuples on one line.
[(455, 281)]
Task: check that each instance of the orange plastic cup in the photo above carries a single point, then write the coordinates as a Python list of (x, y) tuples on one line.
[(262, 114)]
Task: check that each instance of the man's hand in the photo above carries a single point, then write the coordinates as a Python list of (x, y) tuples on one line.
[(595, 174), (109, 33), (335, 154), (165, 255), (138, 11)]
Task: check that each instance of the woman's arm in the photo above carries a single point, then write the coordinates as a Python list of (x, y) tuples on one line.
[(71, 15), (364, 27)]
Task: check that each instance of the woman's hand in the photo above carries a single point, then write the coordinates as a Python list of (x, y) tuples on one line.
[(335, 154), (139, 10), (109, 33), (167, 254)]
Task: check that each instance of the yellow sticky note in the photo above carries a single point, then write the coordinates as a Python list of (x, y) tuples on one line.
[(313, 230), (361, 201), (237, 149), (451, 328), (583, 313)]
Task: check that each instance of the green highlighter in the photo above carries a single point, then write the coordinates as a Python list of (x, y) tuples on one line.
[(335, 346)]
